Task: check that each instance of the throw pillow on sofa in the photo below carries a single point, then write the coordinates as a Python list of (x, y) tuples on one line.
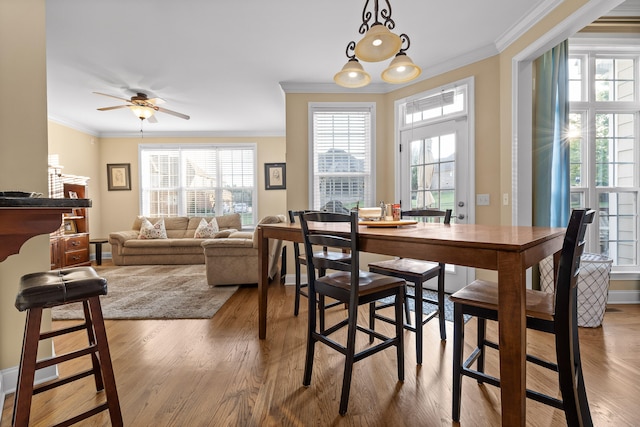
[(206, 230), (152, 231)]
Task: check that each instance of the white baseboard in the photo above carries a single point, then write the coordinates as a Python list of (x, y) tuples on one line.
[(290, 279), (9, 379), (623, 297)]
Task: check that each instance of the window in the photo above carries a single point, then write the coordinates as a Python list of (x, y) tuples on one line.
[(342, 156), (201, 180), (604, 120)]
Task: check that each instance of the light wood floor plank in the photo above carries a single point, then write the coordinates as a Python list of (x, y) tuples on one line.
[(216, 372)]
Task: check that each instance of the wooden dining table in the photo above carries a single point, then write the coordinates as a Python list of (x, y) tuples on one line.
[(509, 250)]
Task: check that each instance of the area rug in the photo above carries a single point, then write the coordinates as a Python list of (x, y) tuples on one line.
[(154, 292), (430, 308)]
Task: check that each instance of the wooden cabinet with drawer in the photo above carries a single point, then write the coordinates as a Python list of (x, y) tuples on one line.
[(76, 250), (70, 243)]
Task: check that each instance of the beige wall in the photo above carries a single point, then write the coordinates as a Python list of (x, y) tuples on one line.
[(119, 208), (486, 76), (297, 145), (79, 153), (23, 149)]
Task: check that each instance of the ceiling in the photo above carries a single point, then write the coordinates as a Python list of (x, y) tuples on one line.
[(227, 63)]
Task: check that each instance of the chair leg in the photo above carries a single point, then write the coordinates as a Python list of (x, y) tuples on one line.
[(574, 395), (441, 319), (372, 319), (349, 358), (311, 327), (482, 332), (105, 362), (296, 307), (400, 302), (419, 310), (27, 369), (97, 372), (321, 306), (458, 347), (407, 311)]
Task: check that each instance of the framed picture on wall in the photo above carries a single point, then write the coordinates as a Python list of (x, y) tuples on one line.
[(119, 176), (275, 176)]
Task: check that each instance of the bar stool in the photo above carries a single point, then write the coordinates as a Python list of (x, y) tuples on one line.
[(53, 288)]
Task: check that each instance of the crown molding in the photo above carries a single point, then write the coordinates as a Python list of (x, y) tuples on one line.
[(519, 28), (73, 125), (194, 134)]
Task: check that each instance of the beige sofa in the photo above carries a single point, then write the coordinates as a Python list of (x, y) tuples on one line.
[(234, 260), (180, 247)]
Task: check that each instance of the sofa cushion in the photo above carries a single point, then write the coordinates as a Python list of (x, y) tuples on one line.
[(206, 229), (225, 233), (152, 231)]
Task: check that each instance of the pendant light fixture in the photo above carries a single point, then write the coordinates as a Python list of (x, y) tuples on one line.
[(378, 44), (352, 74), (401, 69)]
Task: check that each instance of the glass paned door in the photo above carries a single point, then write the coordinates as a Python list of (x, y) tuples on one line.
[(434, 173)]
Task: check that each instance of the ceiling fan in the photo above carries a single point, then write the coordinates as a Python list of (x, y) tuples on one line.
[(142, 106)]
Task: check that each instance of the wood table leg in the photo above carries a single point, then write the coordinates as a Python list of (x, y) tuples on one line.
[(263, 283), (513, 338)]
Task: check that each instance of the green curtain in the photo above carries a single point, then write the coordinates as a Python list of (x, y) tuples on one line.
[(551, 187)]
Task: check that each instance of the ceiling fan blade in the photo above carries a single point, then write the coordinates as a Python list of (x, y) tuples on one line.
[(112, 96), (152, 119), (112, 108), (156, 101), (173, 113)]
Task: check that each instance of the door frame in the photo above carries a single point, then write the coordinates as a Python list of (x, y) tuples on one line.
[(468, 273), (470, 117)]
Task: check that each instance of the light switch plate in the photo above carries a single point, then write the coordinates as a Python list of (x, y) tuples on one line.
[(482, 200)]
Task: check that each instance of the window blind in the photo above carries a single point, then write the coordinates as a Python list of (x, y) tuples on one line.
[(342, 158)]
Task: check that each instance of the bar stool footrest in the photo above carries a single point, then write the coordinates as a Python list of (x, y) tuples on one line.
[(83, 416)]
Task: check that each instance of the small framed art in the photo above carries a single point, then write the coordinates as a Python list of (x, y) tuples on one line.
[(70, 226), (275, 176), (119, 176)]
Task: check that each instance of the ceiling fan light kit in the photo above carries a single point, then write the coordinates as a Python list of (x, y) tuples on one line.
[(141, 111), (378, 44)]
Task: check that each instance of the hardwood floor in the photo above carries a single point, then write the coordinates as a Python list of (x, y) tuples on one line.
[(217, 372)]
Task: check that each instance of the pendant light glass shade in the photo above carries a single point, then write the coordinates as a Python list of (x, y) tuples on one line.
[(142, 112), (401, 70), (378, 44), (352, 75)]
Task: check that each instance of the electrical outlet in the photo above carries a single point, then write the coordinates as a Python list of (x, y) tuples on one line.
[(482, 200)]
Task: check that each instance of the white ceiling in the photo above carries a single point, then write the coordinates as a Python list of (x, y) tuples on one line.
[(225, 63)]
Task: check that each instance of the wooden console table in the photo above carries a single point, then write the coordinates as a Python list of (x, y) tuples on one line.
[(22, 218)]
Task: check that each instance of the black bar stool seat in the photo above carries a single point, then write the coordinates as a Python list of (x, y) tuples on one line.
[(58, 287), (48, 289)]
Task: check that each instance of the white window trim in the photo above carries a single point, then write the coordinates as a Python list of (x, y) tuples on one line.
[(172, 146), (315, 106)]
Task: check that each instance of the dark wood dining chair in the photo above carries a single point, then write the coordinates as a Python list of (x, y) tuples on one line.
[(301, 259), (551, 313), (416, 273), (349, 285)]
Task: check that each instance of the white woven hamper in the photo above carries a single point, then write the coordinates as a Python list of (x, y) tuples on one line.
[(593, 286)]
